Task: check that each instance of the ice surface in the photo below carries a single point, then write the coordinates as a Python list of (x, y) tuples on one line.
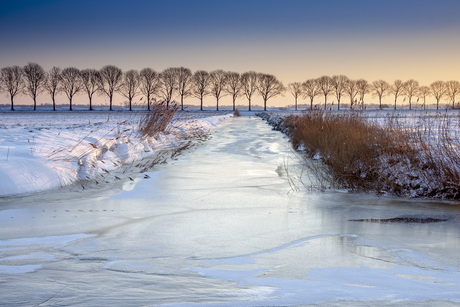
[(221, 226)]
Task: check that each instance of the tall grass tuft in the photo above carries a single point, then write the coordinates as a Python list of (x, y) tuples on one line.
[(158, 120)]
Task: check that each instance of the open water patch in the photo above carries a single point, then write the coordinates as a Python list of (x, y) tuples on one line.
[(419, 219)]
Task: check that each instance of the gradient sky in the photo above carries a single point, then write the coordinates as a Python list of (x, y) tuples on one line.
[(292, 39)]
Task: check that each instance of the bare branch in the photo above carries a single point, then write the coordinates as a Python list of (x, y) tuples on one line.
[(249, 85), (149, 84), (380, 89), (35, 78), (70, 82), (233, 86), (200, 85), (269, 86), (90, 83), (130, 86), (311, 90), (218, 83), (296, 90), (11, 81), (110, 78)]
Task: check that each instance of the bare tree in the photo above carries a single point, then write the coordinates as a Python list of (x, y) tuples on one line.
[(363, 89), (184, 81), (168, 81), (325, 87), (249, 85), (310, 89), (200, 85), (52, 83), (35, 78), (339, 84), (296, 91), (70, 82), (380, 89), (423, 92), (233, 86), (452, 90), (11, 81), (130, 86), (149, 84), (438, 90), (90, 83), (396, 89), (110, 78), (269, 86), (351, 90), (218, 84), (410, 89)]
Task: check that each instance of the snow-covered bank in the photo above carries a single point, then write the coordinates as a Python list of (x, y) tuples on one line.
[(46, 150), (409, 154)]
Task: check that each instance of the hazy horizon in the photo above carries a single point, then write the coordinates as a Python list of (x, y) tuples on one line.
[(294, 40)]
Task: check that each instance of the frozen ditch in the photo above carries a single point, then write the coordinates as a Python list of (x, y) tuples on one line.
[(220, 226)]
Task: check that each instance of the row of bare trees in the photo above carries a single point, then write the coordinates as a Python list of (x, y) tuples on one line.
[(340, 86), (179, 82), (174, 82)]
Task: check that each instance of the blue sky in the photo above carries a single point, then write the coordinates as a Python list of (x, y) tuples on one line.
[(292, 39)]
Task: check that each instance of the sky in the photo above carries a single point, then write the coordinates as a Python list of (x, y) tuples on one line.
[(292, 39)]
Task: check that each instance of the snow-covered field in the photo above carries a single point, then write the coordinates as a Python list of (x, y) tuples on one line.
[(45, 150)]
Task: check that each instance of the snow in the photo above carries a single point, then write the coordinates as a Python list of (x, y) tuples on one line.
[(220, 226), (46, 150)]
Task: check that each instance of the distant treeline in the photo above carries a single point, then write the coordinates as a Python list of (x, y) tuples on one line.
[(179, 82)]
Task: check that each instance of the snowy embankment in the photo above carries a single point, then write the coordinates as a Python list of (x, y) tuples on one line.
[(426, 163), (46, 150)]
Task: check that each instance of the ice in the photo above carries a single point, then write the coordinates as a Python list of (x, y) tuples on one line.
[(221, 226)]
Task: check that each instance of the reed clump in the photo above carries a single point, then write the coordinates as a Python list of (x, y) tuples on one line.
[(160, 119), (362, 154)]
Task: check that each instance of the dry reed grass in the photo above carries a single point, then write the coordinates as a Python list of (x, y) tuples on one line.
[(158, 120), (361, 154)]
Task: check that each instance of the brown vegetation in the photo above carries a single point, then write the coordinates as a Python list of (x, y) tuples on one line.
[(158, 119), (361, 154)]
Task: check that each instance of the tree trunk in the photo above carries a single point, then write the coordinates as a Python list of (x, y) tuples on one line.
[(12, 108), (70, 103), (265, 105), (380, 102), (110, 103), (311, 103), (217, 108), (54, 103), (35, 103), (296, 103), (395, 104), (130, 102), (182, 102), (338, 103), (90, 103), (325, 101), (249, 104), (234, 100), (201, 105), (148, 101)]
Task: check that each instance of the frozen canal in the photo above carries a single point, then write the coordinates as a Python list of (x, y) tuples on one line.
[(220, 226)]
